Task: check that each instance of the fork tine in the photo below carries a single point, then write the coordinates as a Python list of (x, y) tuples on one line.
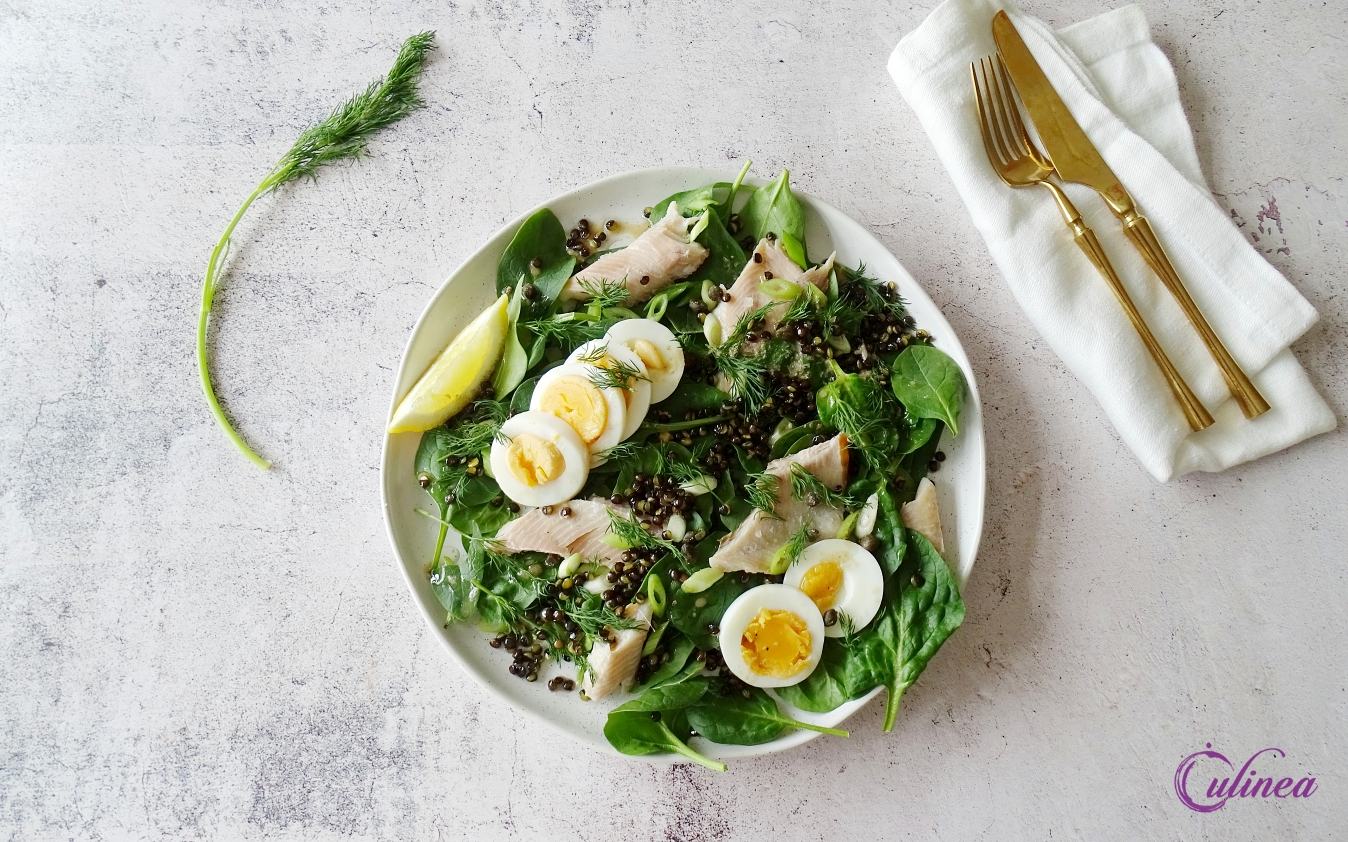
[(1017, 123), (1007, 112), (989, 144), (991, 122)]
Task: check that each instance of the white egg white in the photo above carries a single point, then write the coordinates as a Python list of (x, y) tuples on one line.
[(638, 397), (558, 433), (613, 428), (663, 383), (743, 611), (863, 582)]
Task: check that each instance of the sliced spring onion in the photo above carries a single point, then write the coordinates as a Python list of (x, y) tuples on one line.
[(702, 579)]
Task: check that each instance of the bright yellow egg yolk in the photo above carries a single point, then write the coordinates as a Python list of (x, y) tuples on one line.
[(649, 354), (534, 460), (576, 401), (822, 582), (776, 643)]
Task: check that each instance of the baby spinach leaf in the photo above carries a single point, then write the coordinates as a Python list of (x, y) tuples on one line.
[(774, 208), (686, 688), (927, 615), (452, 590), (680, 648), (693, 396), (889, 530), (514, 360), (486, 517), (635, 732), (519, 401), (930, 384), (692, 613), (653, 722), (920, 433), (732, 719), (541, 237), (830, 685), (726, 259), (690, 202)]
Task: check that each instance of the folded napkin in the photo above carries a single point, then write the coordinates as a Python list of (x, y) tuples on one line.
[(1122, 91)]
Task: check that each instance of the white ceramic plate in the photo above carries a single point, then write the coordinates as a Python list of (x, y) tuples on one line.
[(960, 483)]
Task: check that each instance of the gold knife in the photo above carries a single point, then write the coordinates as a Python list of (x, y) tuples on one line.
[(1076, 159)]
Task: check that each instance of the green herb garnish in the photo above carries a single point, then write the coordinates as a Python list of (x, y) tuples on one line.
[(343, 134), (761, 492), (812, 491)]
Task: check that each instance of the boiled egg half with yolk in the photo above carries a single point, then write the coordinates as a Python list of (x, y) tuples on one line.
[(772, 636), (841, 576), (657, 347), (575, 393), (619, 359), (539, 460)]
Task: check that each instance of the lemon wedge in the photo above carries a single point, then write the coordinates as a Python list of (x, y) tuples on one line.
[(452, 381)]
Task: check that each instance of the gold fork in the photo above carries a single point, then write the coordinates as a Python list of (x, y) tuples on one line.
[(1020, 164)]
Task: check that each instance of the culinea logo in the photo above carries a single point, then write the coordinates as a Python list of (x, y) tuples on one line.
[(1245, 784)]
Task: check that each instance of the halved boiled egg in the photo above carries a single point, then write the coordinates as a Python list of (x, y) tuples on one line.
[(614, 357), (772, 636), (574, 392), (657, 347), (841, 576), (539, 460)]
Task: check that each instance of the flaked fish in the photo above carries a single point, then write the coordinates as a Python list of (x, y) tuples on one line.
[(613, 663), (664, 253), (753, 544), (769, 261)]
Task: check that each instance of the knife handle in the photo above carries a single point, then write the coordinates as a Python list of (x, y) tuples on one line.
[(1242, 389), (1194, 412)]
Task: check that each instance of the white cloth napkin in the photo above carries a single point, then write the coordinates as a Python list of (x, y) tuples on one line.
[(1122, 91)]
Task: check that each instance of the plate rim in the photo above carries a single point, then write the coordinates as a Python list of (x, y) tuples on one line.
[(507, 231)]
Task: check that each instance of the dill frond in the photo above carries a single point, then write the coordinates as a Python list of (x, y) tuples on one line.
[(746, 372), (787, 554), (604, 294), (591, 619), (343, 134), (615, 374), (761, 492), (620, 452), (568, 329), (872, 295), (630, 531), (811, 490)]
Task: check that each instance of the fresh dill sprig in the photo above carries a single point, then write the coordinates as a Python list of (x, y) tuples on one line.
[(615, 374), (604, 294), (592, 619), (343, 134), (471, 437), (849, 627), (872, 295), (620, 452), (761, 492), (568, 329), (787, 554), (802, 309), (746, 372), (684, 471), (629, 531), (812, 491)]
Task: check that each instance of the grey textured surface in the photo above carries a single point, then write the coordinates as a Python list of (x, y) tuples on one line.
[(195, 648)]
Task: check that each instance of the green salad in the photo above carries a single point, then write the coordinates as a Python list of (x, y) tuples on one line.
[(692, 471)]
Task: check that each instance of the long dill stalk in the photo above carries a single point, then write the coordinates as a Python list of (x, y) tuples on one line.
[(342, 135)]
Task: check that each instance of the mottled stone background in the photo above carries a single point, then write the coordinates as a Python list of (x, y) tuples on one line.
[(194, 648)]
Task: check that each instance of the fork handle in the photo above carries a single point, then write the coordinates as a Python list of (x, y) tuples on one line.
[(1194, 412), (1242, 389)]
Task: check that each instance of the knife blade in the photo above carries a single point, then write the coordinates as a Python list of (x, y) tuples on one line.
[(1073, 155)]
